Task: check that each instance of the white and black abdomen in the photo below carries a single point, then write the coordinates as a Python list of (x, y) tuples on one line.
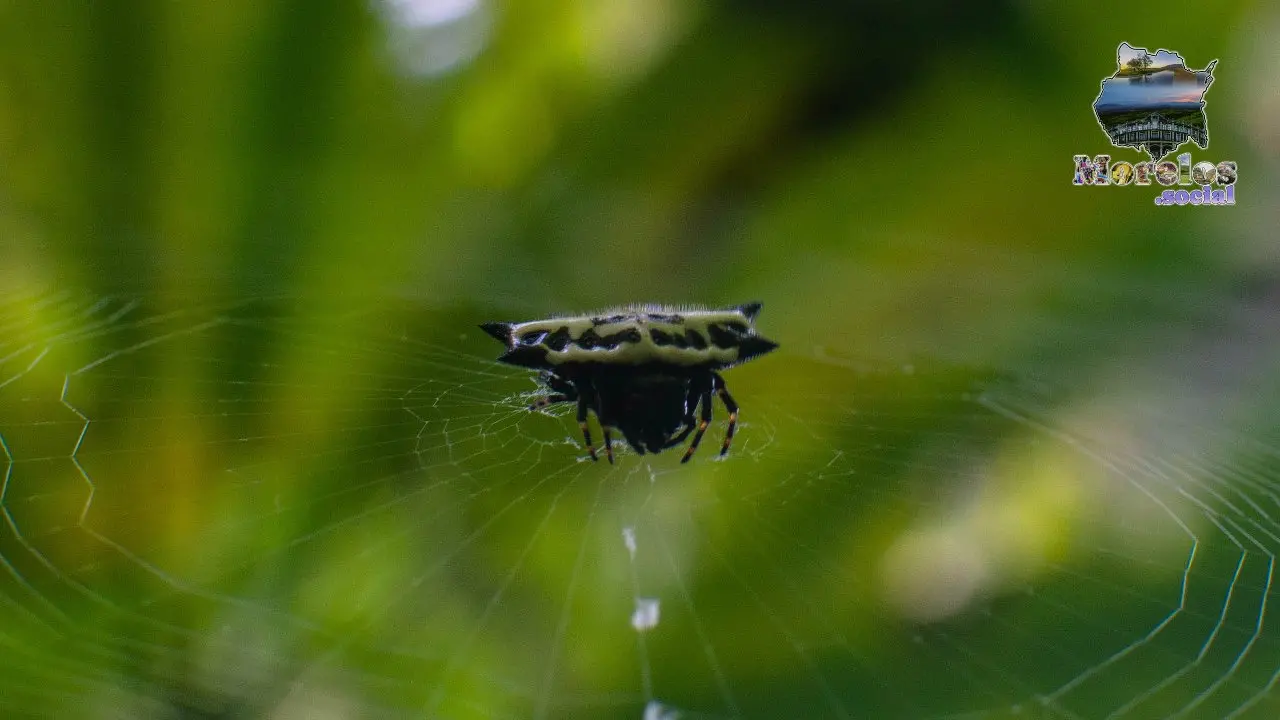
[(636, 336)]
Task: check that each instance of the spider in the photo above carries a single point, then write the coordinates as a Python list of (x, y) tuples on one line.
[(645, 370)]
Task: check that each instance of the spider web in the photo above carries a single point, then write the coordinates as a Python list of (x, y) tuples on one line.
[(242, 510)]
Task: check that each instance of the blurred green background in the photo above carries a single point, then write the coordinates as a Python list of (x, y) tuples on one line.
[(1016, 457)]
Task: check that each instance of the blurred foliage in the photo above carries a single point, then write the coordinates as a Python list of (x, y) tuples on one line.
[(585, 154)]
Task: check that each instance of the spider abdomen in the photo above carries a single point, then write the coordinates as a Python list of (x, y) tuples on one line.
[(636, 336), (644, 370)]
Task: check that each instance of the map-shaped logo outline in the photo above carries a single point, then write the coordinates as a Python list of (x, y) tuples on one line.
[(1147, 105)]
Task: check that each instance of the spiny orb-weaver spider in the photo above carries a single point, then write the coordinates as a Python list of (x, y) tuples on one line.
[(643, 369)]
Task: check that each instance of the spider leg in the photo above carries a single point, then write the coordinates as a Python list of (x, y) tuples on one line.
[(606, 424), (679, 438), (564, 391), (557, 383), (582, 423), (729, 405), (692, 404), (702, 426), (549, 400)]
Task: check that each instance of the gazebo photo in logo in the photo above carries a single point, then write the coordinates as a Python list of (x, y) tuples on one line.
[(1153, 102)]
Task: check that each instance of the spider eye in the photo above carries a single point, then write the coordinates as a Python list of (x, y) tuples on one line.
[(534, 337)]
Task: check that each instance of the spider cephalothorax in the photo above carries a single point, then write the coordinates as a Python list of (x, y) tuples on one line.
[(644, 370)]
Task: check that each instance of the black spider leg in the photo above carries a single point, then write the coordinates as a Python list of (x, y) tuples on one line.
[(568, 392), (731, 406), (606, 426), (584, 403), (690, 404), (557, 383), (550, 400), (608, 442), (705, 402), (565, 392)]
